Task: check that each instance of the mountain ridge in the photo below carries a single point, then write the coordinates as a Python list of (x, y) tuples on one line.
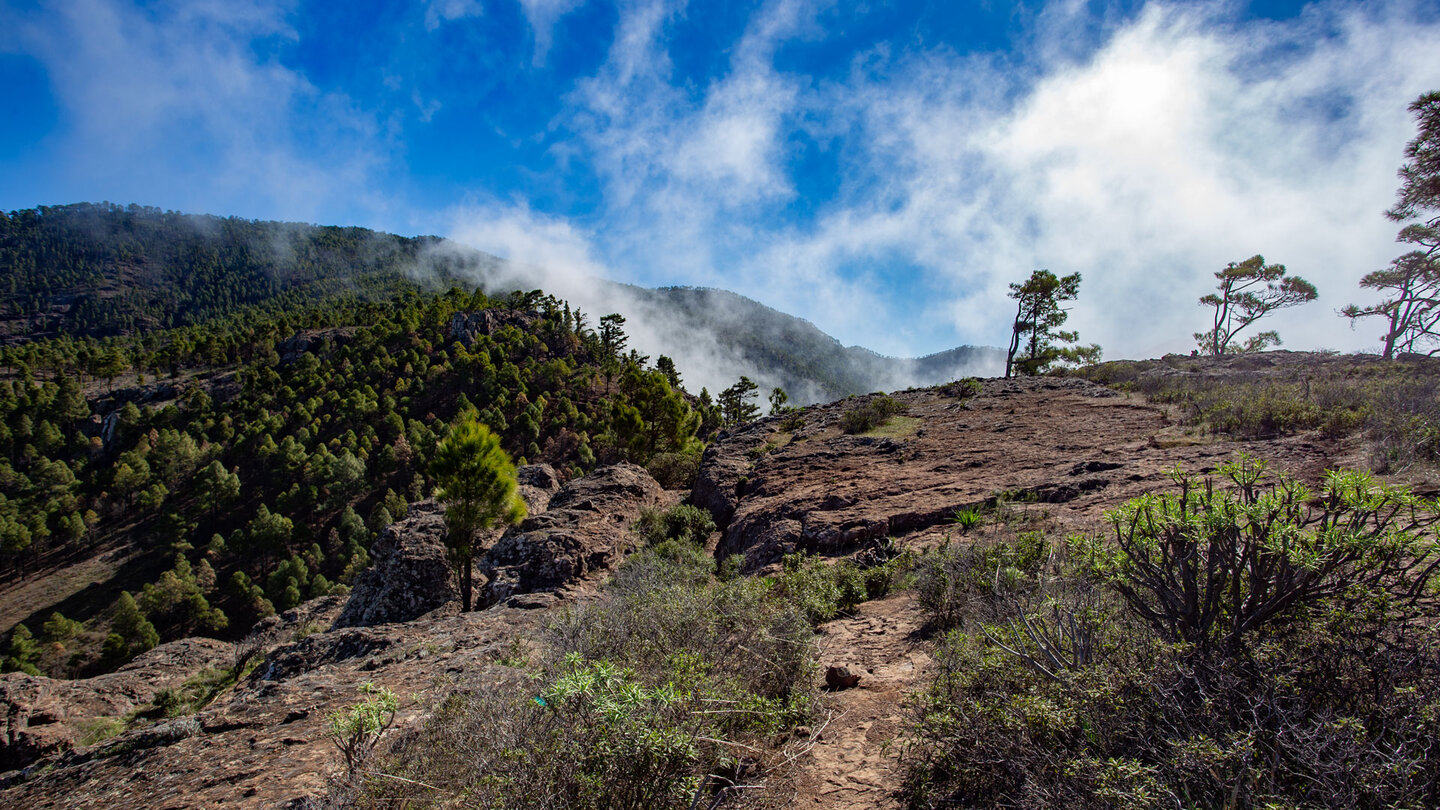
[(107, 270)]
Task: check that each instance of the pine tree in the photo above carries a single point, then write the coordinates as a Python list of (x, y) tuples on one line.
[(1249, 291), (479, 490), (1036, 338), (1412, 313)]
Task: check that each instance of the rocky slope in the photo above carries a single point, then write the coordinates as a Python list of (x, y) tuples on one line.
[(1065, 446)]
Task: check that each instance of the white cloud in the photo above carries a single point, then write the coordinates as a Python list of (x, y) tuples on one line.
[(542, 16), (1180, 141), (552, 253), (176, 104), (438, 12)]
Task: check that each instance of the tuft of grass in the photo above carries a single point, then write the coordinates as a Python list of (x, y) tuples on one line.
[(99, 729), (896, 427)]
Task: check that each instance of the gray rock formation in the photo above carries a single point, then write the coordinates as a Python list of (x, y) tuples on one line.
[(40, 716), (538, 483), (466, 326), (409, 575), (585, 529)]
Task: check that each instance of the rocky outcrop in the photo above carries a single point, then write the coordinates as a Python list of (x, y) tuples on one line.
[(784, 485), (466, 326), (263, 743), (586, 529), (538, 484), (409, 575), (724, 469), (40, 716), (315, 341)]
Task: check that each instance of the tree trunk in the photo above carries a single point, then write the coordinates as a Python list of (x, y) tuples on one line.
[(467, 582), (1014, 340)]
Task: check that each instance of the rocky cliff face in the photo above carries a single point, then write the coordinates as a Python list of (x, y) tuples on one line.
[(409, 575), (776, 486)]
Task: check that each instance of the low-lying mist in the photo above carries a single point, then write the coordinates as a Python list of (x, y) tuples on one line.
[(714, 336)]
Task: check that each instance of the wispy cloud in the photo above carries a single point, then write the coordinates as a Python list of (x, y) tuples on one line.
[(542, 16), (439, 12), (890, 204), (1145, 156), (187, 100)]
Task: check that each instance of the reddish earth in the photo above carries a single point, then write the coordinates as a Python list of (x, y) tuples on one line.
[(1071, 448)]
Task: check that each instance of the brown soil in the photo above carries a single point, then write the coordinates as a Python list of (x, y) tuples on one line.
[(854, 761)]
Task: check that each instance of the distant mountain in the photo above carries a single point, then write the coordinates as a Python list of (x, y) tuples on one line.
[(791, 352), (103, 269)]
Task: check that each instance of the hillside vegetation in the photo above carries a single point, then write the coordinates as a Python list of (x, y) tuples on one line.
[(249, 460), (1393, 406), (104, 270)]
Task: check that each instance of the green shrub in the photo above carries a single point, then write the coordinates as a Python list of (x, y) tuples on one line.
[(645, 697), (1251, 644), (669, 562), (1216, 566), (967, 519), (958, 579), (820, 591), (728, 569), (680, 522), (675, 470), (962, 389), (873, 414), (356, 730)]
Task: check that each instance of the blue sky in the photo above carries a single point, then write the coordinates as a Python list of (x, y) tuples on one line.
[(882, 169)]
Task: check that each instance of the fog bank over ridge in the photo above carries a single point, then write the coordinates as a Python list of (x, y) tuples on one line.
[(714, 336)]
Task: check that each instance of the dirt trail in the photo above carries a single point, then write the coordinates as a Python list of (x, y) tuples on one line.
[(854, 763)]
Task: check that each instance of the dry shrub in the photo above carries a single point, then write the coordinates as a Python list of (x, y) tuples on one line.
[(873, 414), (1394, 404), (672, 690)]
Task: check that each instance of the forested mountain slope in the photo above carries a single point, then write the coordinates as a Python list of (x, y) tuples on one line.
[(106, 270), (243, 464)]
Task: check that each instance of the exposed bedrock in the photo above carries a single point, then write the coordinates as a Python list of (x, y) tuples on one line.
[(585, 530)]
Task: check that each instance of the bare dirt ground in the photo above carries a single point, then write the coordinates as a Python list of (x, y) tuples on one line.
[(854, 763)]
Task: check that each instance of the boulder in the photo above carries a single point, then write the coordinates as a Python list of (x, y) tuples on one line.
[(538, 483), (409, 575), (586, 529)]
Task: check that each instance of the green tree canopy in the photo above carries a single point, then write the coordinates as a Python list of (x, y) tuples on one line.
[(478, 487), (1037, 342), (737, 402), (1412, 312), (1248, 291)]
